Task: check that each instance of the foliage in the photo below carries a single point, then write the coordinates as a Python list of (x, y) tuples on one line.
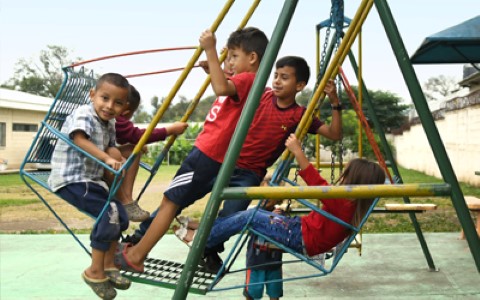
[(438, 88), (178, 108), (43, 76), (178, 151), (141, 115), (388, 110), (350, 138)]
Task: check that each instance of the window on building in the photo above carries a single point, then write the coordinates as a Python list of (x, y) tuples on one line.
[(3, 134), (25, 127)]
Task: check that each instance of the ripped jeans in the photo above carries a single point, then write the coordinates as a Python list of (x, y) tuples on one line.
[(285, 230)]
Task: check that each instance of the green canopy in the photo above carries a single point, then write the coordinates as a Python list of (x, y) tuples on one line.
[(457, 44)]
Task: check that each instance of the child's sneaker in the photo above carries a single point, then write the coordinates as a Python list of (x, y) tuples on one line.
[(135, 213)]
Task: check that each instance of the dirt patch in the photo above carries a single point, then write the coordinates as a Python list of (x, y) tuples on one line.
[(37, 217)]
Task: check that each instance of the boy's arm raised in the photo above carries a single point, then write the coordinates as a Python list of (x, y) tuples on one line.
[(80, 139), (221, 85), (334, 130)]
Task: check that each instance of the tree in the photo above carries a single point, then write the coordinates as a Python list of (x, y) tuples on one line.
[(388, 110), (438, 88), (141, 115), (43, 76), (176, 110)]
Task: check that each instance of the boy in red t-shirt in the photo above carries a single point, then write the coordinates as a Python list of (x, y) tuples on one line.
[(197, 173), (276, 118)]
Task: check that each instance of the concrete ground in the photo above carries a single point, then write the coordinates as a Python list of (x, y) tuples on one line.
[(392, 266)]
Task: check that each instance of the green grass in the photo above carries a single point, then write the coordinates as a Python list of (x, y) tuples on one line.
[(444, 219), (16, 202), (11, 180)]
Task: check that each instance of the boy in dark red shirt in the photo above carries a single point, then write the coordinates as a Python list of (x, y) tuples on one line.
[(127, 136)]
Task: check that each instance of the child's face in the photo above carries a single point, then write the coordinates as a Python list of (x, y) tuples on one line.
[(285, 85), (109, 100), (239, 61)]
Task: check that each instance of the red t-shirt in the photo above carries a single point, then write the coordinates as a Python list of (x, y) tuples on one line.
[(127, 133), (266, 136), (319, 233), (222, 119)]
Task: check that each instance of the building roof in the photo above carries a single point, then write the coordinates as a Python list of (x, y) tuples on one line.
[(24, 101)]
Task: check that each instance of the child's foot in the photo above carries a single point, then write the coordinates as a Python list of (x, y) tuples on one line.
[(116, 279), (187, 222), (122, 261), (185, 235), (101, 287), (135, 212)]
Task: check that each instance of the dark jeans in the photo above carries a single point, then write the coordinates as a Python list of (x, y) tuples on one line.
[(91, 198), (240, 178)]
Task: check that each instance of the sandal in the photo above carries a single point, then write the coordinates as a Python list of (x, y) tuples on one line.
[(121, 261), (135, 212), (185, 222), (101, 287), (116, 279), (181, 233)]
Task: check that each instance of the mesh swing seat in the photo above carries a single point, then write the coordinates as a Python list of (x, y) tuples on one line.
[(164, 273), (73, 93)]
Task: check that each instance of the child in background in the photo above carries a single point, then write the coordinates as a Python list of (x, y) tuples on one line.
[(264, 263), (79, 180), (128, 135)]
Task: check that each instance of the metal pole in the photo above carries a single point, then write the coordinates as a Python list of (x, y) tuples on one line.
[(234, 148), (341, 191), (430, 128), (393, 164)]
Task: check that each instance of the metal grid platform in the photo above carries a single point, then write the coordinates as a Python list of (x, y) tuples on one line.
[(166, 273)]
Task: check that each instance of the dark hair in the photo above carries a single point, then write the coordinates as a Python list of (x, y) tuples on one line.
[(112, 78), (133, 98), (302, 71), (249, 39), (362, 171)]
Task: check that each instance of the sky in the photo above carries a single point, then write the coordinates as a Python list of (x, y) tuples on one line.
[(91, 29)]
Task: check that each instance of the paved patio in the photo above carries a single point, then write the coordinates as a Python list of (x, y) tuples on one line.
[(392, 266)]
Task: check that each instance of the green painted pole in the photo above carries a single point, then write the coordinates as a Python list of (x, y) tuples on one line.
[(340, 191), (393, 164), (234, 148), (430, 128)]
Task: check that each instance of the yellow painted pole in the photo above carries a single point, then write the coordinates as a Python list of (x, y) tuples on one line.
[(342, 191), (179, 82), (332, 69), (206, 83), (360, 94)]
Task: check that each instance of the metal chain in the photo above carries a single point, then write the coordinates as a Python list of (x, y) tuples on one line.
[(332, 173), (325, 44)]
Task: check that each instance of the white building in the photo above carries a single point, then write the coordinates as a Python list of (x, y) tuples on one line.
[(20, 117)]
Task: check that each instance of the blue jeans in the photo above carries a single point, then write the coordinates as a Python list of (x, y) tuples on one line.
[(285, 230)]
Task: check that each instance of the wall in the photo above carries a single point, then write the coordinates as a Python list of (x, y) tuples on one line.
[(18, 143), (458, 123)]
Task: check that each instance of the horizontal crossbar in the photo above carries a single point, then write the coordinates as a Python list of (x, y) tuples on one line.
[(343, 191)]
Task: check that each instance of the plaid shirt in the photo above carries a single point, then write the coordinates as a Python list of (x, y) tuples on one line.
[(68, 164)]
